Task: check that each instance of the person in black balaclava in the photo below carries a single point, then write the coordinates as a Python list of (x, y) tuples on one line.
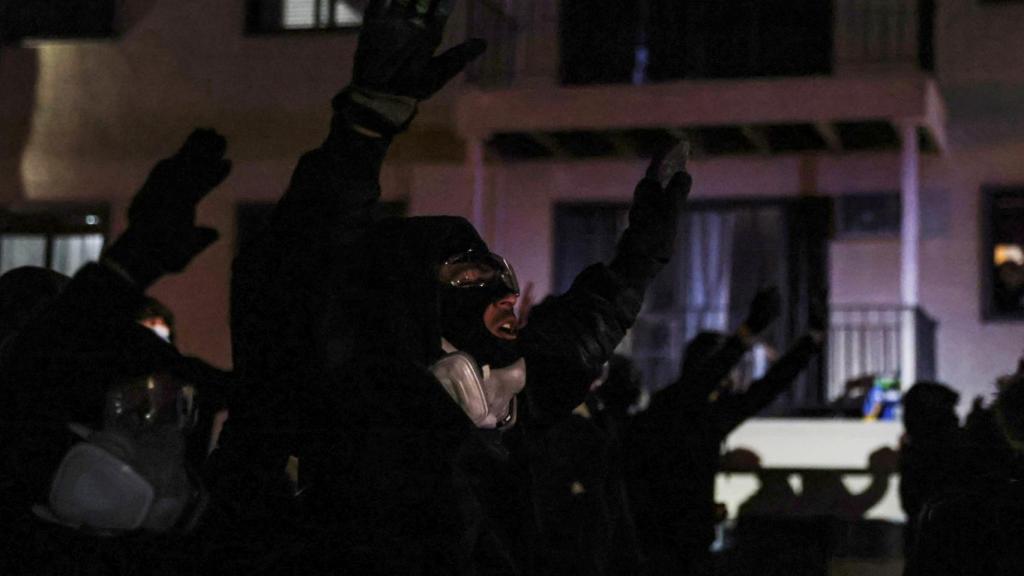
[(92, 448), (383, 355)]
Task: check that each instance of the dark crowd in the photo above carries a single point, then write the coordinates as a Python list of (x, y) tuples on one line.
[(390, 413)]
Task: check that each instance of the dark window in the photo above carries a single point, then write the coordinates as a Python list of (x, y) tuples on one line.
[(1003, 257), (659, 40), (269, 16), (869, 214), (598, 41), (45, 19), (61, 237)]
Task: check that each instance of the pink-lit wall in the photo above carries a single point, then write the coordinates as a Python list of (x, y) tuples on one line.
[(86, 120), (971, 353)]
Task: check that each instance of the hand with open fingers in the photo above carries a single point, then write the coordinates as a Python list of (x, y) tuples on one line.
[(395, 55), (647, 244), (162, 236)]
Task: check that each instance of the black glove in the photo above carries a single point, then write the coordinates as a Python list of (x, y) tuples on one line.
[(764, 309), (646, 245), (162, 236), (395, 66)]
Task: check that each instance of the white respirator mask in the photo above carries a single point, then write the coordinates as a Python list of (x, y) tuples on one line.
[(486, 395)]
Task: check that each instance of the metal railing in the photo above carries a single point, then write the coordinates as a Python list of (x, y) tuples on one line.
[(867, 340), (863, 340), (658, 341), (872, 33)]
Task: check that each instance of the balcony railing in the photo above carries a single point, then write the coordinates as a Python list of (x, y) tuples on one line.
[(867, 340), (883, 34), (863, 341)]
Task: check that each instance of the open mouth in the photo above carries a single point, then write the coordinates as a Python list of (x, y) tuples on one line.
[(507, 330)]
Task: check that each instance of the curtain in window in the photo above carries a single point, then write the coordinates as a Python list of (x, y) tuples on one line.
[(691, 295), (18, 250), (71, 252), (724, 255)]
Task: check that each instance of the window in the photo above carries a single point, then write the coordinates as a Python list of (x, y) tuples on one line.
[(53, 19), (60, 237), (1003, 259), (725, 251), (269, 16)]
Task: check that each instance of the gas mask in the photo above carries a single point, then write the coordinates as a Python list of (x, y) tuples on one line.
[(486, 395), (470, 282), (131, 474)]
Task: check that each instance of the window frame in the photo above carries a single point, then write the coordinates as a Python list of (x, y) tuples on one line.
[(255, 26), (53, 220), (989, 194)]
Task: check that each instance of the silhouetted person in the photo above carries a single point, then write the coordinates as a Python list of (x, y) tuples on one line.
[(385, 355), (774, 495), (156, 316), (585, 520), (977, 530), (824, 494), (931, 450), (677, 441), (97, 407)]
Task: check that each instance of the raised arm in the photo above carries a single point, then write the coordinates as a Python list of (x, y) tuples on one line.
[(732, 410), (293, 294), (88, 333), (701, 375), (570, 336)]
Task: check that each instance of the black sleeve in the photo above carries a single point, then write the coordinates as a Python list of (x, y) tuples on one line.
[(570, 336), (280, 289), (733, 410)]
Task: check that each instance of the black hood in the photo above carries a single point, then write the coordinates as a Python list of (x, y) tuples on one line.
[(24, 292), (402, 315)]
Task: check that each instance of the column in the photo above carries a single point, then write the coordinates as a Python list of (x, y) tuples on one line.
[(910, 240)]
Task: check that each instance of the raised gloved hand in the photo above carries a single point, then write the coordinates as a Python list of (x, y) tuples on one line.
[(395, 66), (162, 236), (646, 245), (396, 48), (764, 309)]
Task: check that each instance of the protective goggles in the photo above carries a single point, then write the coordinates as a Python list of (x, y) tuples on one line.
[(479, 269), (157, 400)]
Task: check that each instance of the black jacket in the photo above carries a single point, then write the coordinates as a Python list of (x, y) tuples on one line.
[(335, 323), (55, 370)]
